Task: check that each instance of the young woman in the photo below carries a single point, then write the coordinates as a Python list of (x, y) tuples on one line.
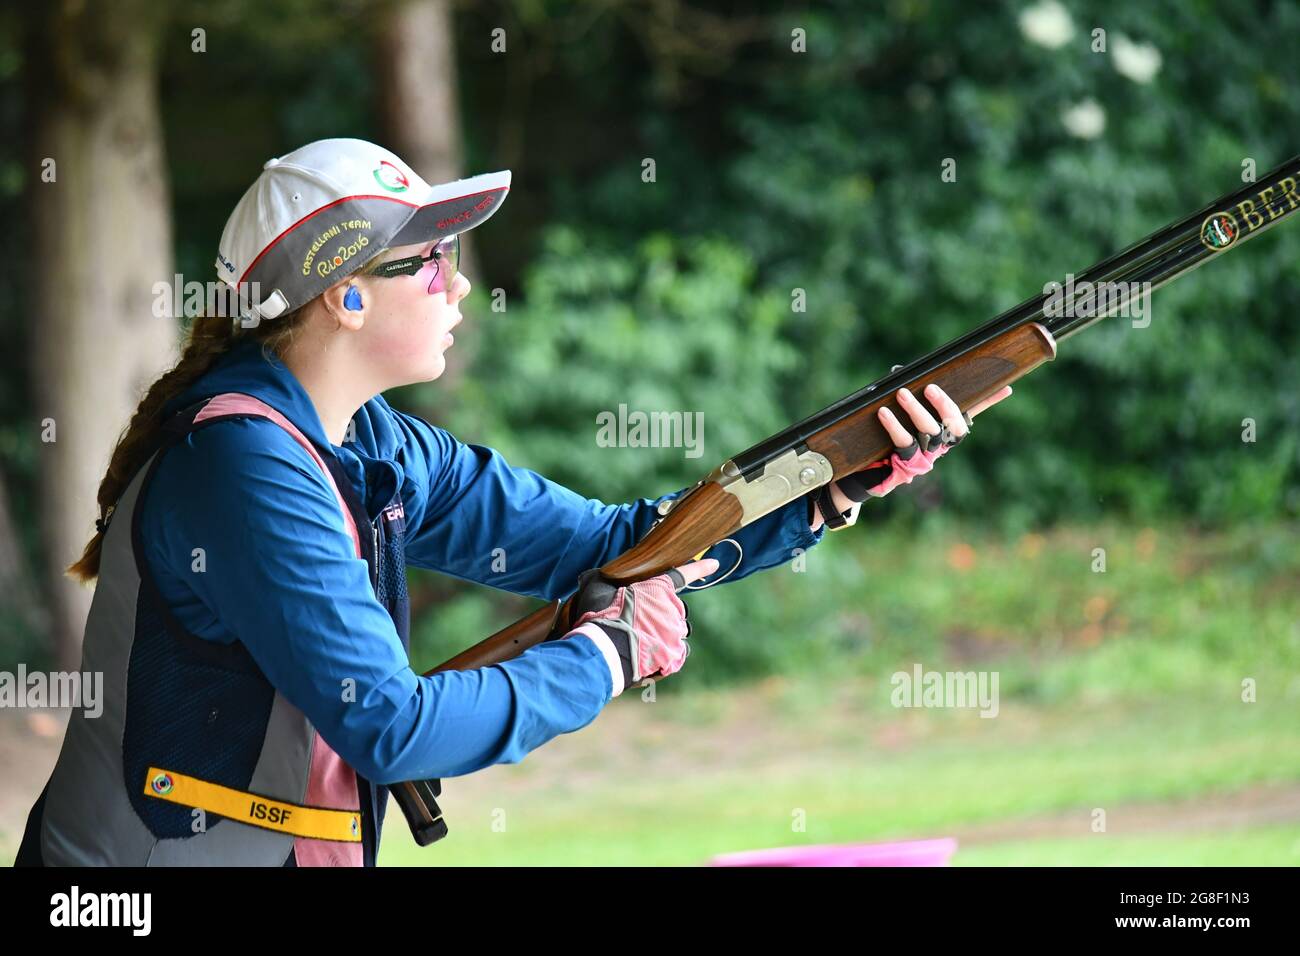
[(250, 615)]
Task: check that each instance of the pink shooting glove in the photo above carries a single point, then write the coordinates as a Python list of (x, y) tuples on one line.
[(877, 480), (911, 456), (880, 478), (641, 628)]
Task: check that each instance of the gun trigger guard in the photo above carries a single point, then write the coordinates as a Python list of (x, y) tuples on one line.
[(740, 556)]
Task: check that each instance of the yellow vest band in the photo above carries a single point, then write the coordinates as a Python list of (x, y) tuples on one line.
[(342, 826)]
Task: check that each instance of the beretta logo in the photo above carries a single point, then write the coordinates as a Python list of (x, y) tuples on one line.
[(1219, 231)]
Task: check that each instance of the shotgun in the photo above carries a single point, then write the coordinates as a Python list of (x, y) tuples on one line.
[(845, 437)]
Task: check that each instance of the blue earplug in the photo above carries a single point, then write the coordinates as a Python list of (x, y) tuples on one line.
[(352, 300)]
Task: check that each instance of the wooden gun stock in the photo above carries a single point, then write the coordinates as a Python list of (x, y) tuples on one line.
[(708, 514), (846, 437), (858, 440)]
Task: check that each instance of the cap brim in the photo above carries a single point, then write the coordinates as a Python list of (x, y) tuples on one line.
[(453, 208)]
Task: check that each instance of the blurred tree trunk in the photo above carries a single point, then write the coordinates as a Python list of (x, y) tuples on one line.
[(20, 607), (420, 117), (101, 237)]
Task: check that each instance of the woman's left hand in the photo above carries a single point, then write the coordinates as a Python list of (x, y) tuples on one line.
[(911, 457)]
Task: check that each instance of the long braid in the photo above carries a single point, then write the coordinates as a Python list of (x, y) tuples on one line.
[(209, 338)]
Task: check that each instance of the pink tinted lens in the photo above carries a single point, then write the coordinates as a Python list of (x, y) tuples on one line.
[(444, 267)]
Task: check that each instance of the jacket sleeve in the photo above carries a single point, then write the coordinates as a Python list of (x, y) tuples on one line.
[(282, 576), (478, 518)]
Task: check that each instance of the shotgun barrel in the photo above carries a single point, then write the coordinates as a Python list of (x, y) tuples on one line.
[(846, 437)]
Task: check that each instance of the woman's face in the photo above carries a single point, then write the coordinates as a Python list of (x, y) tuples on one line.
[(407, 328)]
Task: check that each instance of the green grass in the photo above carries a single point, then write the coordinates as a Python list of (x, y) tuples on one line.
[(1118, 689), (967, 771), (1254, 846)]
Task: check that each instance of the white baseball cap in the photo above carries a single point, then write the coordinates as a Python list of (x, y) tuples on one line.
[(319, 213)]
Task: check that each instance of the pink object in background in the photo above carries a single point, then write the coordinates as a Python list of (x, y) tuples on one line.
[(907, 853)]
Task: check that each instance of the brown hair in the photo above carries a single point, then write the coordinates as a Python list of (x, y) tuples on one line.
[(209, 338)]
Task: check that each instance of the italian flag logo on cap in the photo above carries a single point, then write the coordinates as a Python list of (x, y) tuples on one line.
[(391, 178)]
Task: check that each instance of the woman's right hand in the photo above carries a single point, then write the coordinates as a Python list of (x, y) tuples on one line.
[(641, 628)]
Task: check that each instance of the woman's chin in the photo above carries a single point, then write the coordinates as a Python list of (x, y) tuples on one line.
[(436, 367)]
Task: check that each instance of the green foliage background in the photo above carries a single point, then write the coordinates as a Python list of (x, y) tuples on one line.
[(778, 171), (821, 172)]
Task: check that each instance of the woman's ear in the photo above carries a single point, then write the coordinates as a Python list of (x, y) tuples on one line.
[(346, 302)]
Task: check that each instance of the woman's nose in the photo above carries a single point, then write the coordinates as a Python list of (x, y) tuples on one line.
[(460, 287)]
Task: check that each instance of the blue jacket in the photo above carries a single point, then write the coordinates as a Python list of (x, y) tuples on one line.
[(279, 572)]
